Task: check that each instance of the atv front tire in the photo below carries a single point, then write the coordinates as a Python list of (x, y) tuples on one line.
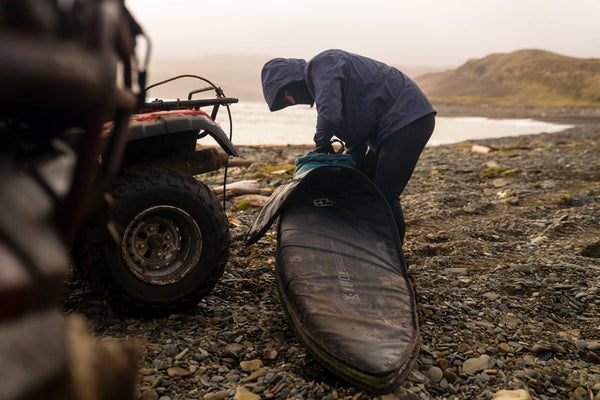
[(172, 247)]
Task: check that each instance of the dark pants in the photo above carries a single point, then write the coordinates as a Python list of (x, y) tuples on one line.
[(394, 163)]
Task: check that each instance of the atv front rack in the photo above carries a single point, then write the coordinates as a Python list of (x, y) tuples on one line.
[(189, 103), (161, 105)]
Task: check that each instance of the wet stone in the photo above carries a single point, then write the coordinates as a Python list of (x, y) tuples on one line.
[(149, 395), (463, 347), (450, 376), (252, 365), (442, 363), (177, 372), (219, 395), (504, 347), (539, 348), (593, 346), (234, 349), (492, 296), (524, 268), (592, 358), (519, 394), (473, 365), (434, 374), (408, 396), (171, 350)]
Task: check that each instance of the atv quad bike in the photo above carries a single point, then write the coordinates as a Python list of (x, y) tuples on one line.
[(167, 242)]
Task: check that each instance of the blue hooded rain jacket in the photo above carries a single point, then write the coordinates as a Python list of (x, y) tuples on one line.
[(359, 100)]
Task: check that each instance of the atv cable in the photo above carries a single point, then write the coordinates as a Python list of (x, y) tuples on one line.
[(227, 159)]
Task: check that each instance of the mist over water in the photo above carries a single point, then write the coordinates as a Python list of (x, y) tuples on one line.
[(254, 124)]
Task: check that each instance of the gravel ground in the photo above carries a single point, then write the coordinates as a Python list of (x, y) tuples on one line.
[(504, 248)]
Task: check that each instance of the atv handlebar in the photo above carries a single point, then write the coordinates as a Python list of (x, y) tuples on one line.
[(171, 105)]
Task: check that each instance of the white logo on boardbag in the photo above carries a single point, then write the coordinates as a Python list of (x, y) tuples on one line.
[(325, 202), (344, 278)]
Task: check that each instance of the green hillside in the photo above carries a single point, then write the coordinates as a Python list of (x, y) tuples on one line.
[(524, 77)]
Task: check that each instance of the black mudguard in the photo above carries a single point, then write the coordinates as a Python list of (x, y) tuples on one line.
[(342, 276), (180, 122)]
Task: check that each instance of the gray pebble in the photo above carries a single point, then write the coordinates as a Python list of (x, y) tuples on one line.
[(593, 346), (483, 378), (524, 268), (434, 374), (473, 365), (171, 350), (149, 395), (409, 396)]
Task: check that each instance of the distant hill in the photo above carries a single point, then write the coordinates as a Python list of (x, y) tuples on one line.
[(237, 74), (523, 77)]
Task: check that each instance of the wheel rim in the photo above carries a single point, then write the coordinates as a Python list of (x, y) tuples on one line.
[(161, 245)]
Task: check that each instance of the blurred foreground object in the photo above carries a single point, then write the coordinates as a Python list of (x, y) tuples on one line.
[(58, 74)]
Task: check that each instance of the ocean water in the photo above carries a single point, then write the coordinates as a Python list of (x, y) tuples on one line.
[(254, 124)]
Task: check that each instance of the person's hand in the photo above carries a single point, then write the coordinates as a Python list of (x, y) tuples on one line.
[(326, 149)]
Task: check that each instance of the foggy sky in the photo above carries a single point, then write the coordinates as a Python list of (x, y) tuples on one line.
[(400, 32)]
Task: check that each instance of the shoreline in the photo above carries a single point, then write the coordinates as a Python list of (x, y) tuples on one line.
[(561, 115), (575, 116)]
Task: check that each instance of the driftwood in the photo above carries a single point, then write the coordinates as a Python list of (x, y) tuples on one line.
[(521, 145), (237, 162), (242, 187)]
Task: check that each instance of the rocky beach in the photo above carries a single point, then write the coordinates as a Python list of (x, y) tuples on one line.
[(503, 244)]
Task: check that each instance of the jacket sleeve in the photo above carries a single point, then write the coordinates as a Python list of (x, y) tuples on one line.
[(328, 78)]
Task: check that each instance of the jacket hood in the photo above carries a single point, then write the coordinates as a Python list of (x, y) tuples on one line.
[(284, 73)]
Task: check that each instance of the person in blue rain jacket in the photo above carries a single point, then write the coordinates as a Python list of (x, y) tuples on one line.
[(380, 114)]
